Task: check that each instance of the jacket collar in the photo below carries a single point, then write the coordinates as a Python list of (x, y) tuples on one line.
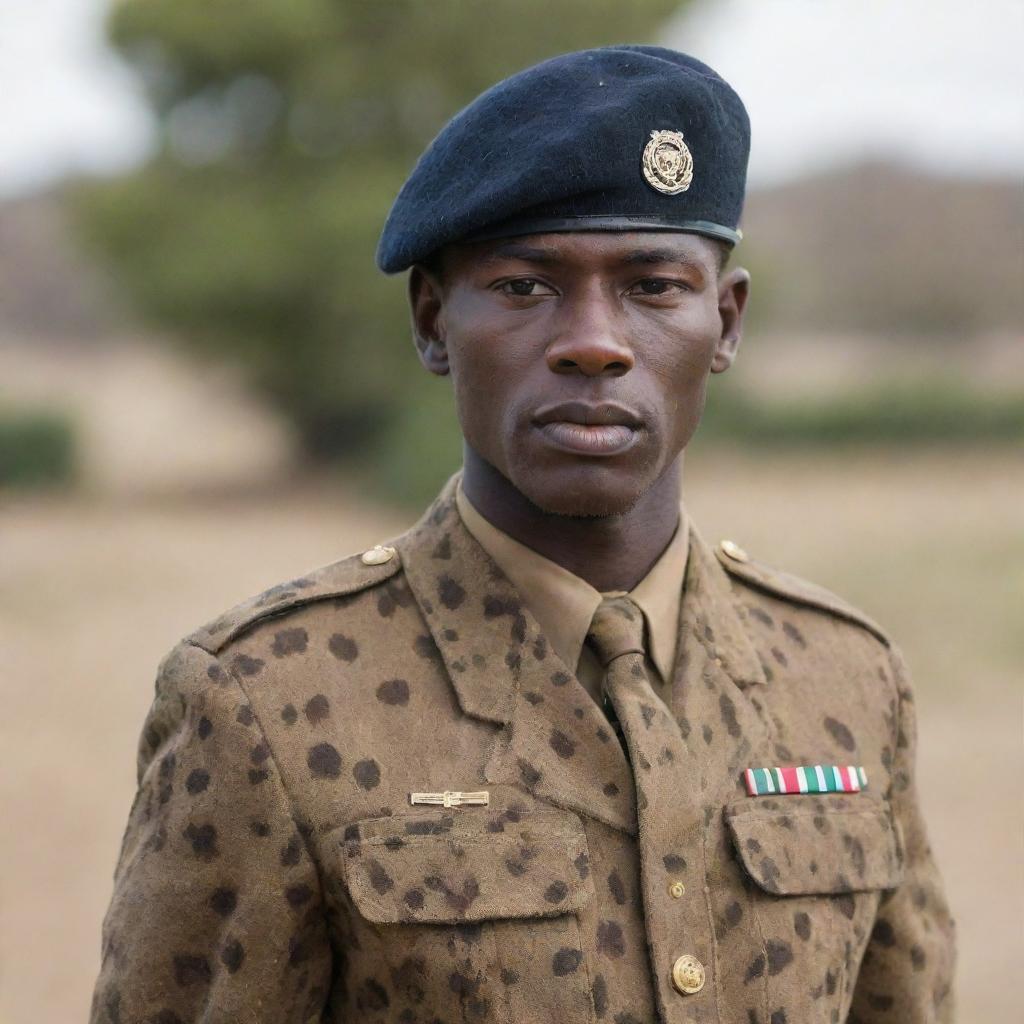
[(556, 741), (564, 603)]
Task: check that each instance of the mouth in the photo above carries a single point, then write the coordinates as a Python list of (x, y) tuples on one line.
[(603, 429)]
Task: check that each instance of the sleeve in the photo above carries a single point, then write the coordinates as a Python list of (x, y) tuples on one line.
[(217, 912), (907, 971)]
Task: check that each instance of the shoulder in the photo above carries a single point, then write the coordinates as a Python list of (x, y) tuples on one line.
[(363, 571), (201, 674), (763, 579)]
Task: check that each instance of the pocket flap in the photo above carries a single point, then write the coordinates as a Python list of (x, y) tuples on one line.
[(466, 866), (805, 845)]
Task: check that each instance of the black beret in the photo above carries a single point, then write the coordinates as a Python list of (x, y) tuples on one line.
[(620, 138)]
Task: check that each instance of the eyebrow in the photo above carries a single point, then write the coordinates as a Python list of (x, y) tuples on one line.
[(518, 251), (535, 254), (665, 255)]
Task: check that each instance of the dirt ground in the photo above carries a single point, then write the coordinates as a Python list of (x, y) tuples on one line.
[(93, 593)]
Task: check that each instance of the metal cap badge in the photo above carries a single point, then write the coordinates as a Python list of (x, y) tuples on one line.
[(668, 163)]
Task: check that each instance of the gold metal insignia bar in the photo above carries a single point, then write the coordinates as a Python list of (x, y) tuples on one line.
[(451, 799)]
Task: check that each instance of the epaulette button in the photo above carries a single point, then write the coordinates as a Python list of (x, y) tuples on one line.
[(378, 555), (734, 551)]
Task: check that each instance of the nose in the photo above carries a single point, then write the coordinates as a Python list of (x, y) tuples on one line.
[(589, 341)]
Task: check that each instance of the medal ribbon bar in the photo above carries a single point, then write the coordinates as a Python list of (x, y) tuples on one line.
[(813, 778)]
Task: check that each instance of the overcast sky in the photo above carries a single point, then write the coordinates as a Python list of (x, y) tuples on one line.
[(937, 82)]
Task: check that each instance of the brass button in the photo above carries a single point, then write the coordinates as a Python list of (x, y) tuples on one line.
[(677, 890), (688, 975), (378, 555), (734, 551)]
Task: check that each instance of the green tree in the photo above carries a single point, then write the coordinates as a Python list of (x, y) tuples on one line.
[(286, 129)]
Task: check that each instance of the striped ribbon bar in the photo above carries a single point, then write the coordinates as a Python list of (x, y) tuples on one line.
[(814, 778)]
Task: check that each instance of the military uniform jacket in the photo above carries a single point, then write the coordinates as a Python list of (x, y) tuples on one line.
[(274, 869)]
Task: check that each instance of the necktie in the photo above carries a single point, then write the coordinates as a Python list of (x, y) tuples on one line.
[(681, 780), (651, 736), (617, 636)]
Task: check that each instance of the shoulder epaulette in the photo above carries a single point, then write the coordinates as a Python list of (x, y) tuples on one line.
[(347, 576), (774, 581)]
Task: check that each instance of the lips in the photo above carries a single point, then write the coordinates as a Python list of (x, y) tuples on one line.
[(603, 429), (601, 414)]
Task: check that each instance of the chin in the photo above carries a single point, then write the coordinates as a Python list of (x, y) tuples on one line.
[(585, 492)]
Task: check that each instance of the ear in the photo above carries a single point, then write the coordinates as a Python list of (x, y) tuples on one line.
[(426, 302), (733, 290)]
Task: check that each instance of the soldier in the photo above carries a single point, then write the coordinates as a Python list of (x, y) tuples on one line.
[(547, 756)]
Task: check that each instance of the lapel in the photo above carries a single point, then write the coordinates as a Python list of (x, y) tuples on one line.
[(717, 718), (555, 740), (717, 686), (688, 748)]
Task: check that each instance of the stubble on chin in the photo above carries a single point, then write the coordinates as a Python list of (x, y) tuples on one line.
[(575, 501), (593, 509), (584, 491)]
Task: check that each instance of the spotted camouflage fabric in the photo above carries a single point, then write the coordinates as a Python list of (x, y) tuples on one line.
[(274, 871)]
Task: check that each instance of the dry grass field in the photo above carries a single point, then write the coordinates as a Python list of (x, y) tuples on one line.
[(92, 593)]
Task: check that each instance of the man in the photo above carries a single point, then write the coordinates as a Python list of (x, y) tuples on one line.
[(547, 756)]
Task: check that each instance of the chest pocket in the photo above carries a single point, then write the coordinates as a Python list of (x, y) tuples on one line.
[(819, 867), (802, 846), (474, 909)]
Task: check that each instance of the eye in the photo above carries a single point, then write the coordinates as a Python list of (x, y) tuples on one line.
[(657, 286), (525, 287)]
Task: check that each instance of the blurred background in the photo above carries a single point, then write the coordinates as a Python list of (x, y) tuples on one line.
[(206, 386)]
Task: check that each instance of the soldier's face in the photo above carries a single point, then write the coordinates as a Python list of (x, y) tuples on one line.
[(580, 361)]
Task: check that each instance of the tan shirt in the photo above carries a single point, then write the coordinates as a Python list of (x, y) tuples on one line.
[(564, 604)]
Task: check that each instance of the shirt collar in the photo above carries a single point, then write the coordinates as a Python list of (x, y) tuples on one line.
[(564, 604)]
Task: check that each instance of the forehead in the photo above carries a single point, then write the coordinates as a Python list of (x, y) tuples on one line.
[(586, 249)]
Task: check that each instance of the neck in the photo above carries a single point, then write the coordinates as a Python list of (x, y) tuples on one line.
[(609, 552)]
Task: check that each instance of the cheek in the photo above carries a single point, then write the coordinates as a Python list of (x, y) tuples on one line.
[(678, 344), (488, 367), (492, 347), (680, 366), (686, 366), (679, 373)]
